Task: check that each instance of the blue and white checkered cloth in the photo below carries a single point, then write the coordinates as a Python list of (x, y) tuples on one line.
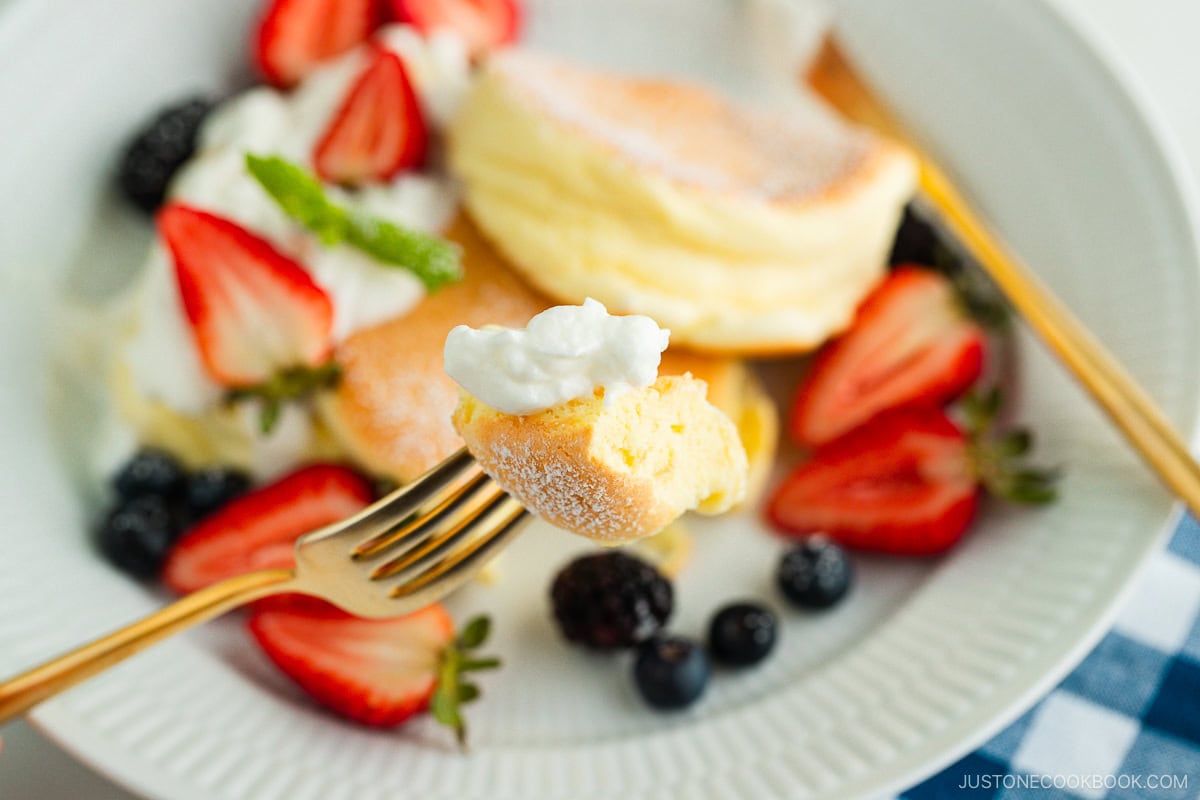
[(1125, 724)]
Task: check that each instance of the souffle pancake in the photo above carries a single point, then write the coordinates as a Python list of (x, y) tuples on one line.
[(742, 230)]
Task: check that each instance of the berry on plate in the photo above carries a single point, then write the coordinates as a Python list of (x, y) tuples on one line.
[(911, 344), (253, 311), (295, 36), (159, 150), (138, 533), (741, 634), (814, 574), (150, 471), (670, 673), (378, 130), (609, 600), (376, 672), (908, 482), (903, 483), (259, 530), (484, 24), (211, 488)]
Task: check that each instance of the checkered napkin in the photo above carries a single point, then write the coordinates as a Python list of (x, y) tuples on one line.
[(1124, 724)]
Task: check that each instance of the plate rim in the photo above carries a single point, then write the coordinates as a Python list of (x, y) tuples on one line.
[(60, 726)]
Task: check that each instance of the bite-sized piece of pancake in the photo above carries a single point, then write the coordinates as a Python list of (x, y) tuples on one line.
[(741, 230), (616, 471)]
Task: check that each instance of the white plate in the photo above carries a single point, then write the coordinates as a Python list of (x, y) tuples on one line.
[(922, 662)]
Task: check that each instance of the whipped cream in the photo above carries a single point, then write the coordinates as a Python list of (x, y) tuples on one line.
[(160, 354), (565, 353)]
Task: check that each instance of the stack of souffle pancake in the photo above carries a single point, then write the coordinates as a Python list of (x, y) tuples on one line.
[(745, 232)]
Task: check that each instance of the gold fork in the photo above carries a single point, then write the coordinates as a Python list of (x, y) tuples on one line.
[(406, 551), (833, 77)]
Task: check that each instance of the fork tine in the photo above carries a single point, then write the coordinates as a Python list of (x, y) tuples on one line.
[(436, 542), (457, 568), (423, 523), (435, 489)]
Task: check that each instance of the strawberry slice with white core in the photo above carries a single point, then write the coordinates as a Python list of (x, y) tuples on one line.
[(375, 672), (483, 24), (903, 483), (253, 311), (295, 36), (379, 129), (911, 344), (259, 530)]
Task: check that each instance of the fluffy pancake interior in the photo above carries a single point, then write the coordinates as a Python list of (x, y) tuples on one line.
[(613, 473)]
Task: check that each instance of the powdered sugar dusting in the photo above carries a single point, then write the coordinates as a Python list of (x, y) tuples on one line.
[(563, 487), (688, 134)]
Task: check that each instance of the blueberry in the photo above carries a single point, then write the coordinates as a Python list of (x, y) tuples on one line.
[(815, 574), (670, 672), (741, 634), (137, 534), (150, 472), (212, 487), (158, 150)]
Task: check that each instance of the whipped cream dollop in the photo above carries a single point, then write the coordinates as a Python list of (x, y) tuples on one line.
[(565, 353)]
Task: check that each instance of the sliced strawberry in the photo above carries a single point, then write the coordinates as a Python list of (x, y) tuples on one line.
[(378, 130), (253, 311), (911, 344), (258, 530), (903, 483), (484, 24), (294, 36), (377, 672)]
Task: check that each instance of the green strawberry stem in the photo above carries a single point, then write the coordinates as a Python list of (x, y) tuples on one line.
[(996, 458), (452, 691), (288, 385)]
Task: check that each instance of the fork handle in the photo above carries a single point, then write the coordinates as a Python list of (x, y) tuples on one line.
[(23, 692), (1101, 375)]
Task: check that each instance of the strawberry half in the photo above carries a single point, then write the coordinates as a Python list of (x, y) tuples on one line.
[(903, 483), (378, 130), (911, 344), (259, 530), (376, 672), (253, 311), (294, 36), (484, 24)]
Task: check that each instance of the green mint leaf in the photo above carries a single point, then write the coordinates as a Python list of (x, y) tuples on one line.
[(475, 633), (300, 195), (433, 260)]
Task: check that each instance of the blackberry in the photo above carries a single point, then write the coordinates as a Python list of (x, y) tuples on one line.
[(159, 150), (150, 472), (671, 673), (741, 634), (138, 533), (815, 574), (212, 487), (610, 600), (918, 242)]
